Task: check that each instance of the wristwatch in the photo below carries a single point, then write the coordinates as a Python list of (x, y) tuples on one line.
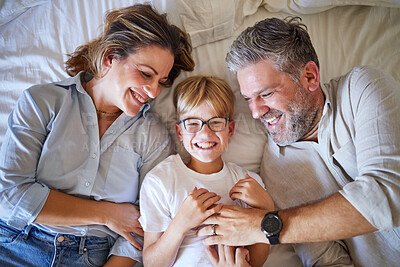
[(271, 225)]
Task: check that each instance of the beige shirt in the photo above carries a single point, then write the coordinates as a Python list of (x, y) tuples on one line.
[(357, 155)]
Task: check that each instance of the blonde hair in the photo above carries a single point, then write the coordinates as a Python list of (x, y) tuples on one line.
[(126, 30), (215, 91)]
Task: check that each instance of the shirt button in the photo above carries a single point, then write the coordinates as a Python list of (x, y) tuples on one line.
[(87, 183), (60, 238), (94, 156)]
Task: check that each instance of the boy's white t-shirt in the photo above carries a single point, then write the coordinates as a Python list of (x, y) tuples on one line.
[(165, 188)]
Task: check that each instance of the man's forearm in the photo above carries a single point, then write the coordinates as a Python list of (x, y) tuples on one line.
[(331, 219)]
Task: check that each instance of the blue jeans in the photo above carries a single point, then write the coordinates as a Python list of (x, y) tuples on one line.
[(34, 247)]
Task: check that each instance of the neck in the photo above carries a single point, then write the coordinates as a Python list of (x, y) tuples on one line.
[(312, 135), (95, 89), (205, 167)]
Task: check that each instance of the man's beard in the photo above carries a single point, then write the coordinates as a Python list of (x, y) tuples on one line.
[(300, 119)]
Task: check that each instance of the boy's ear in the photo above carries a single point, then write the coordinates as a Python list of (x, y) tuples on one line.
[(178, 131), (231, 128)]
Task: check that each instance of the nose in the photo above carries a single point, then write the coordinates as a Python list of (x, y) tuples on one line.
[(153, 90), (258, 108), (205, 130)]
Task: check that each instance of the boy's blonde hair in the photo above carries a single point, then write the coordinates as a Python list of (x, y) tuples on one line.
[(216, 92)]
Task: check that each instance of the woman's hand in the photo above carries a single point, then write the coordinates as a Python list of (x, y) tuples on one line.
[(123, 219), (252, 193), (228, 256), (198, 206)]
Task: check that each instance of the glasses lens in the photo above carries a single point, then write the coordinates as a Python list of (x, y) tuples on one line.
[(217, 124), (193, 125)]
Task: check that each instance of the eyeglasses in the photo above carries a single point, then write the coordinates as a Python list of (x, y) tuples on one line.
[(216, 124)]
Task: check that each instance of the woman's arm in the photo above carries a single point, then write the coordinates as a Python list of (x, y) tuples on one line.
[(160, 249), (63, 209)]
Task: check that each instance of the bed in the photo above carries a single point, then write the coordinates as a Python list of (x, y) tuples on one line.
[(36, 35)]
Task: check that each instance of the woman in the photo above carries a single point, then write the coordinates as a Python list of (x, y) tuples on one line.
[(75, 150)]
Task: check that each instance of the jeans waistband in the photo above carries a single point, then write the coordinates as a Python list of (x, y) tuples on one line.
[(60, 239)]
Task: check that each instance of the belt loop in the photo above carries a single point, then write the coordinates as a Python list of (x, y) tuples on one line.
[(26, 231), (82, 248)]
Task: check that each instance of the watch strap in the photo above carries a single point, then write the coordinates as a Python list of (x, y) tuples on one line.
[(273, 239)]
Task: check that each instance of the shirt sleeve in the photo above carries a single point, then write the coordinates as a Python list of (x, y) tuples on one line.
[(375, 193), (123, 248), (21, 195), (155, 215)]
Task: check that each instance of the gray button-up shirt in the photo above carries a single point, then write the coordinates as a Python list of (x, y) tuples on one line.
[(357, 154), (53, 142)]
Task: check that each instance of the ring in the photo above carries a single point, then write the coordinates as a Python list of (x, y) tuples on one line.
[(213, 230)]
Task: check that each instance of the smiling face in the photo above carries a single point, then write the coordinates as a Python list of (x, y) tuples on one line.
[(205, 147), (287, 109), (129, 83)]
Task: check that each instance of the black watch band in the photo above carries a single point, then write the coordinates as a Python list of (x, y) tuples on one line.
[(274, 239), (271, 225)]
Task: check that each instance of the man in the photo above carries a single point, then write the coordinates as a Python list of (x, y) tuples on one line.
[(333, 165)]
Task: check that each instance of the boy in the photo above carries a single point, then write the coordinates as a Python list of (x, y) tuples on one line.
[(176, 197)]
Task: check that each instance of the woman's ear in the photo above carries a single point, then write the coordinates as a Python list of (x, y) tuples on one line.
[(108, 60), (310, 76), (178, 132), (231, 128)]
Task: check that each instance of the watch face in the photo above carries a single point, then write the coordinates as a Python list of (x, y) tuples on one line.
[(271, 224)]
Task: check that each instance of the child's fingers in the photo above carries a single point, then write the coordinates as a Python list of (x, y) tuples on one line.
[(230, 255), (204, 197), (242, 256), (212, 255), (198, 192), (236, 195), (211, 201), (214, 209)]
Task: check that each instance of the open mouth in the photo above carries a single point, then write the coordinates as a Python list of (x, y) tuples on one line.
[(273, 120), (206, 145), (136, 96)]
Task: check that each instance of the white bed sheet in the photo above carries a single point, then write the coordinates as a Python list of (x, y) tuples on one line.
[(34, 43)]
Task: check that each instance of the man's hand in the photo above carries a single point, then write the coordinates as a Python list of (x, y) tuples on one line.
[(228, 256), (252, 193), (235, 226)]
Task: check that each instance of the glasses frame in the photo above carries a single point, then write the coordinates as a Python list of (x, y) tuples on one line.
[(204, 122)]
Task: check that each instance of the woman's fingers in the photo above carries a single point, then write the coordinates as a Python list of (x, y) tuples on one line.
[(132, 240)]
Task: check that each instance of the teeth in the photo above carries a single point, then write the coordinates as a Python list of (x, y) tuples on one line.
[(138, 97), (205, 145), (271, 120)]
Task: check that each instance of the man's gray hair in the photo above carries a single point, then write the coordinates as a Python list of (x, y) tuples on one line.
[(285, 42)]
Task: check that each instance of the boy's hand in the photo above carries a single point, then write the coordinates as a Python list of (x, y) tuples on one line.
[(198, 206), (228, 256), (252, 193)]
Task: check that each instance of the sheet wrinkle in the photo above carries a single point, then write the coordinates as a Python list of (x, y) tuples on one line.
[(208, 21), (11, 9)]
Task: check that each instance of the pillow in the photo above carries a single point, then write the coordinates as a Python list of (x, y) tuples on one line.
[(10, 9), (208, 21), (312, 6)]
